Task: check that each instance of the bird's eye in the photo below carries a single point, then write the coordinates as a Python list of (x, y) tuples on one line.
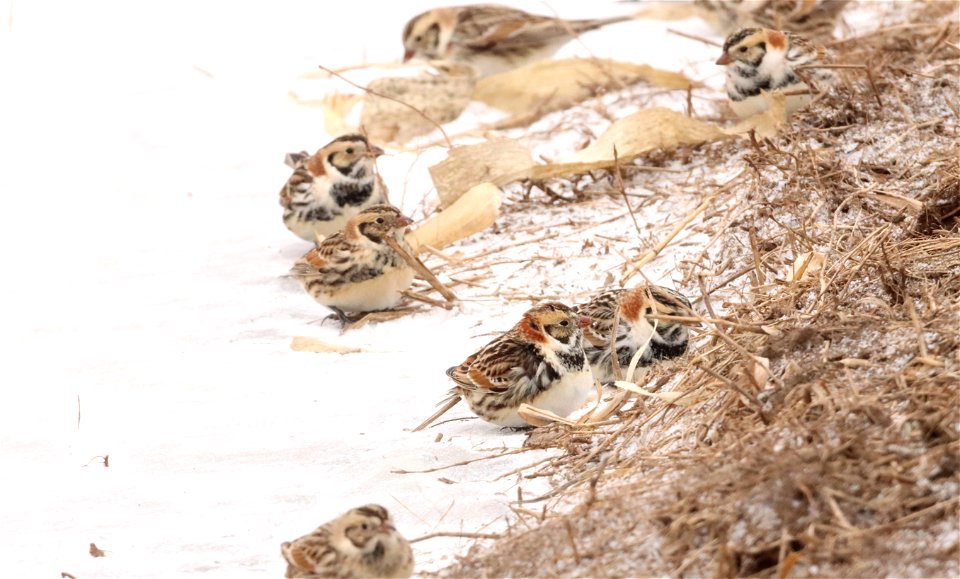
[(380, 220), (349, 150), (364, 526), (417, 38), (742, 49), (564, 323)]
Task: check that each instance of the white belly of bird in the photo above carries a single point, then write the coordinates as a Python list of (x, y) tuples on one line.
[(757, 104), (309, 230), (379, 293), (563, 397)]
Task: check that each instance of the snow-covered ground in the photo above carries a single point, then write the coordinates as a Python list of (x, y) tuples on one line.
[(145, 312)]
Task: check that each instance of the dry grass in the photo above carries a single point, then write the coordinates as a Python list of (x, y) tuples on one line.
[(843, 459)]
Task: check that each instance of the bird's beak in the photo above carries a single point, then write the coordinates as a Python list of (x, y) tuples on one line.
[(585, 321), (404, 221), (724, 59), (407, 55), (375, 151)]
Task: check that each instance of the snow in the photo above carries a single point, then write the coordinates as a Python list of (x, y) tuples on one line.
[(147, 317)]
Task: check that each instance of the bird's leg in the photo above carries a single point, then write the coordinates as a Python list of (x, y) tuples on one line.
[(753, 139), (517, 428), (340, 315)]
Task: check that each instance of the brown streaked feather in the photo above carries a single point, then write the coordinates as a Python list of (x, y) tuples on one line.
[(776, 39), (490, 26), (497, 365), (315, 164)]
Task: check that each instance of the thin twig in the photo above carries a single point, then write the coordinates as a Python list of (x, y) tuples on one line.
[(706, 41), (418, 266)]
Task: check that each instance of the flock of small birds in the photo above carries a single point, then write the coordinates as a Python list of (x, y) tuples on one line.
[(552, 357)]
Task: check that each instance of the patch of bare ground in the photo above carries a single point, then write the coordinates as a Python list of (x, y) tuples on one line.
[(817, 431)]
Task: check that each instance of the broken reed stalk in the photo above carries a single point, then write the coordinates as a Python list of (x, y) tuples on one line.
[(427, 300), (421, 269), (389, 98), (447, 405)]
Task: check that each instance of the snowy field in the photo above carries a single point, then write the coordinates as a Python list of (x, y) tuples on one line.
[(146, 316)]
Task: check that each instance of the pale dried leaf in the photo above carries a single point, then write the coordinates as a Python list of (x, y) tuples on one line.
[(554, 84), (644, 131), (304, 344), (806, 265), (336, 108), (539, 417), (633, 135), (439, 97), (474, 211), (504, 161), (471, 165)]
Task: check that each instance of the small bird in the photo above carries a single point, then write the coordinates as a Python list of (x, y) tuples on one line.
[(812, 18), (331, 186), (491, 37), (761, 59), (359, 543), (357, 270), (665, 340), (540, 361)]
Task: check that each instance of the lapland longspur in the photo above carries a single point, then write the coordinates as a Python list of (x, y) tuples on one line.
[(331, 186), (540, 361), (491, 37), (761, 59), (634, 329), (356, 270), (812, 18), (360, 543)]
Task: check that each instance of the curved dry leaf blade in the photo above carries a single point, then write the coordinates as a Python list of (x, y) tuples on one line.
[(644, 131), (553, 84), (470, 165), (437, 98), (304, 344), (474, 211), (539, 417)]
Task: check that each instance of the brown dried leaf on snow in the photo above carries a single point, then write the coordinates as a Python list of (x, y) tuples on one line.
[(554, 84), (539, 417), (502, 161), (304, 344), (473, 212), (471, 165), (439, 97), (644, 131)]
